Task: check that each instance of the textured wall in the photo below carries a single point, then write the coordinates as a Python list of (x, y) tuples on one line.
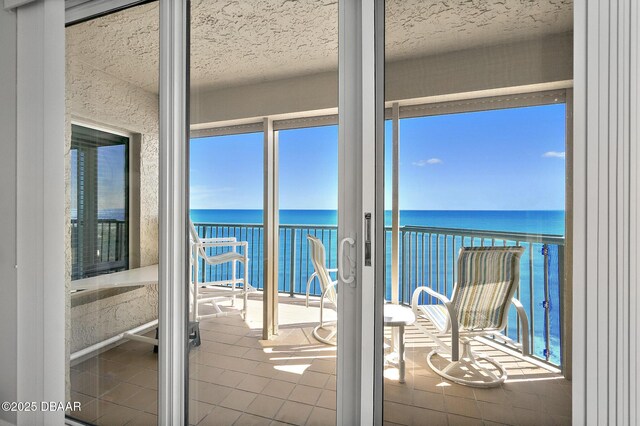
[(95, 97), (97, 320)]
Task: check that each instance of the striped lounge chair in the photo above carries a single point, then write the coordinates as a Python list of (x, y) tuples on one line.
[(487, 280)]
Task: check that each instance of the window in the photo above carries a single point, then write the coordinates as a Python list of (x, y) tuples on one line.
[(99, 202)]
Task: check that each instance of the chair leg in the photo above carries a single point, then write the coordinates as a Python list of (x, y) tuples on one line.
[(467, 370), (245, 282)]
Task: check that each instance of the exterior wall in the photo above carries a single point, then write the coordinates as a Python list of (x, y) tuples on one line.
[(545, 60), (94, 97), (8, 288)]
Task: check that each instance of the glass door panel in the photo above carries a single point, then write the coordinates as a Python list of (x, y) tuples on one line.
[(112, 242), (477, 181), (263, 142)]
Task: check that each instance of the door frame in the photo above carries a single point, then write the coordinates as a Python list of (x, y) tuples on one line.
[(605, 128)]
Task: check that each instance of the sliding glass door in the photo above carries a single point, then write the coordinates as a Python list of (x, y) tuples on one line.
[(476, 313), (263, 188)]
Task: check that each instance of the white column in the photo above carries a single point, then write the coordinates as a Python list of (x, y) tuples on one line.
[(395, 206), (40, 208), (606, 189), (271, 232), (173, 270)]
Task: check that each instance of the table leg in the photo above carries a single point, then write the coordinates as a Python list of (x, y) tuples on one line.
[(401, 352)]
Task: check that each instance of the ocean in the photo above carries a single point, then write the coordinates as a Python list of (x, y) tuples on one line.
[(550, 222)]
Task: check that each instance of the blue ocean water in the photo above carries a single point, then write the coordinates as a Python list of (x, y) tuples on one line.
[(549, 222), (437, 271)]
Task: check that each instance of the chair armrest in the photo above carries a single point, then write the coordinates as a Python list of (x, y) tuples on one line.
[(222, 244), (524, 325), (218, 240), (453, 317), (416, 294)]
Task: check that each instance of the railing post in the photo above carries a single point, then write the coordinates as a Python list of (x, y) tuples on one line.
[(292, 263), (546, 303)]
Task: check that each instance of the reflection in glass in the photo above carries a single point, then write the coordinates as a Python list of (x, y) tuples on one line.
[(112, 245)]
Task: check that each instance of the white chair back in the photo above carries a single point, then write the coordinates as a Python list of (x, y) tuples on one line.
[(318, 259)]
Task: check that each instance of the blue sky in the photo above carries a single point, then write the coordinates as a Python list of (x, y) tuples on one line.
[(511, 159)]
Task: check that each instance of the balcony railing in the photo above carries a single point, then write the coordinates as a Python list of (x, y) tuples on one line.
[(427, 257), (108, 250)]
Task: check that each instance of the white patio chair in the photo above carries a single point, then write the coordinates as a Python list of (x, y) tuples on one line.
[(213, 292), (327, 285), (487, 280)]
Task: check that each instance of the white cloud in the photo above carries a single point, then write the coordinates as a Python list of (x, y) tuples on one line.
[(553, 154), (430, 161)]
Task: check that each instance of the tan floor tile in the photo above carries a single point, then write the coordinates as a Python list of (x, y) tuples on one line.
[(121, 393), (80, 397), (209, 392), (254, 384), (495, 395), (428, 383), (146, 379), (116, 415), (453, 389), (496, 412), (524, 400), (397, 413), (144, 419), (314, 379), (327, 366), (294, 412), (88, 413), (204, 373), (527, 417), (251, 420), (558, 405), (305, 394), (322, 417), (430, 400), (265, 406), (455, 420), (256, 354), (331, 383), (230, 378), (559, 420), (264, 369), (238, 400), (278, 389), (461, 406), (91, 384), (220, 416), (327, 399), (146, 400), (435, 418), (198, 411), (399, 394)]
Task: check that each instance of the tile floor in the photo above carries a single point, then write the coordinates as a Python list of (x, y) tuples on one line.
[(237, 378)]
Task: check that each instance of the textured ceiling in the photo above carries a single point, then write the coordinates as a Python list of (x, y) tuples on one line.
[(248, 41)]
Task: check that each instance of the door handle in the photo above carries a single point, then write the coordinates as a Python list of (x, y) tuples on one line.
[(351, 278)]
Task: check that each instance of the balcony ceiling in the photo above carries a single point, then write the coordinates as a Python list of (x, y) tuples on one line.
[(250, 41)]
